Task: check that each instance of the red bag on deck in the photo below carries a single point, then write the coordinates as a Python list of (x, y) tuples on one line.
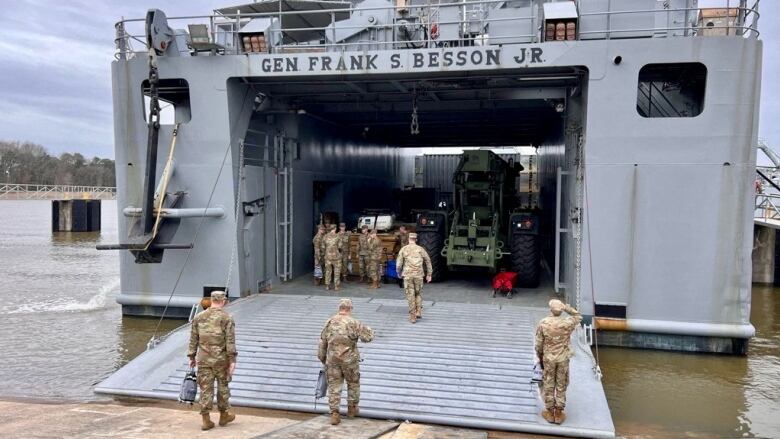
[(504, 281)]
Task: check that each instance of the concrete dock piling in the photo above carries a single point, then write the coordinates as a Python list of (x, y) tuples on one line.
[(75, 215), (766, 253)]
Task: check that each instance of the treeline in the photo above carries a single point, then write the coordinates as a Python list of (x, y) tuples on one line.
[(29, 163)]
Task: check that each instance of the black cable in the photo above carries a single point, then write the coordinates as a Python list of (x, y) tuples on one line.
[(769, 180), (202, 219), (590, 264)]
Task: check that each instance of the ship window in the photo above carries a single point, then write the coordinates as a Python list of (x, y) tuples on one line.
[(174, 97), (671, 90)]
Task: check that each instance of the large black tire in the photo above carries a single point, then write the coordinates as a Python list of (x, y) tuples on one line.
[(526, 260), (433, 243)]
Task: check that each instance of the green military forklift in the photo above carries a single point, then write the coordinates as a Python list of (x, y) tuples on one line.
[(486, 228)]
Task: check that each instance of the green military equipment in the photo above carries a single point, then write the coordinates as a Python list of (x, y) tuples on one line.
[(486, 226)]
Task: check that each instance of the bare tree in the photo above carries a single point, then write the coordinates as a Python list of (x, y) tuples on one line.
[(30, 163)]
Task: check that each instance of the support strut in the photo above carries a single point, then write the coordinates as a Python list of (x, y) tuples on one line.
[(153, 125)]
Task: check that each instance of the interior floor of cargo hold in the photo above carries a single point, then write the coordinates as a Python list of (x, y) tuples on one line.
[(457, 288)]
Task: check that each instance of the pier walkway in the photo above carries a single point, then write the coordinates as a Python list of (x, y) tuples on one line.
[(466, 365), (13, 191)]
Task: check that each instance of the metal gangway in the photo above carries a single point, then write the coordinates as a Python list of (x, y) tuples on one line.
[(15, 191), (465, 364)]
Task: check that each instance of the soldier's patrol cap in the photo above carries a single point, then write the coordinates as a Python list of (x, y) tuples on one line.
[(345, 303), (218, 295), (364, 227), (555, 304), (342, 224), (412, 235), (321, 226), (331, 227)]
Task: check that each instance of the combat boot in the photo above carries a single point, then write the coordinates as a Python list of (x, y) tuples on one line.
[(560, 416), (549, 415), (335, 419), (207, 424), (352, 410), (413, 317), (337, 288), (372, 285), (419, 312), (225, 417)]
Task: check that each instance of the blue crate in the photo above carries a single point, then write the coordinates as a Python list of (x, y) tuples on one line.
[(390, 271)]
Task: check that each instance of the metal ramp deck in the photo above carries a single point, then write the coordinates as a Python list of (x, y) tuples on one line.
[(465, 365)]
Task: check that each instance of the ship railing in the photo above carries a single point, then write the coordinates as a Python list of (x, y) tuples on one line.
[(225, 29), (196, 308), (767, 207), (18, 191), (664, 107), (745, 25)]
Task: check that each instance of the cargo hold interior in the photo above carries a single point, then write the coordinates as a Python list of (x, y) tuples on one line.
[(350, 145)]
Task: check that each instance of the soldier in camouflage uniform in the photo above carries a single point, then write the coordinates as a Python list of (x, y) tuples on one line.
[(374, 258), (332, 244), (402, 237), (412, 264), (213, 349), (318, 253), (344, 234), (552, 348), (339, 353), (364, 253)]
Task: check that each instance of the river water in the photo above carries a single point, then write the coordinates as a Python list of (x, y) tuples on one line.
[(61, 332)]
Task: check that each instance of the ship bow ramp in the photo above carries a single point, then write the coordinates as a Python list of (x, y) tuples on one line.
[(465, 365)]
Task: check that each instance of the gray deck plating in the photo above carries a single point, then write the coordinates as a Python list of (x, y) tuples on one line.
[(462, 364)]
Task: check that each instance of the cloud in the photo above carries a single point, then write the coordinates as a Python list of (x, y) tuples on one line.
[(55, 79), (69, 130)]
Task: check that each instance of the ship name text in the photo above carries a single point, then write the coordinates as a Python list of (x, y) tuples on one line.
[(406, 60)]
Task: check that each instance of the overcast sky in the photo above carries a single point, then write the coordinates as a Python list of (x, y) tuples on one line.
[(55, 74)]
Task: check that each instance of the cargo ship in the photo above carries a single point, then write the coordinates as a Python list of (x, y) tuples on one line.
[(234, 131)]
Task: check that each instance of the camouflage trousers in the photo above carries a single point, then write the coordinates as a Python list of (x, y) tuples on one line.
[(374, 269), (318, 261), (333, 271), (337, 373), (555, 379), (363, 265), (206, 377), (413, 291), (345, 265)]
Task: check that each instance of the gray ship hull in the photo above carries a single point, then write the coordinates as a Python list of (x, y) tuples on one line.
[(662, 228), (644, 124)]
